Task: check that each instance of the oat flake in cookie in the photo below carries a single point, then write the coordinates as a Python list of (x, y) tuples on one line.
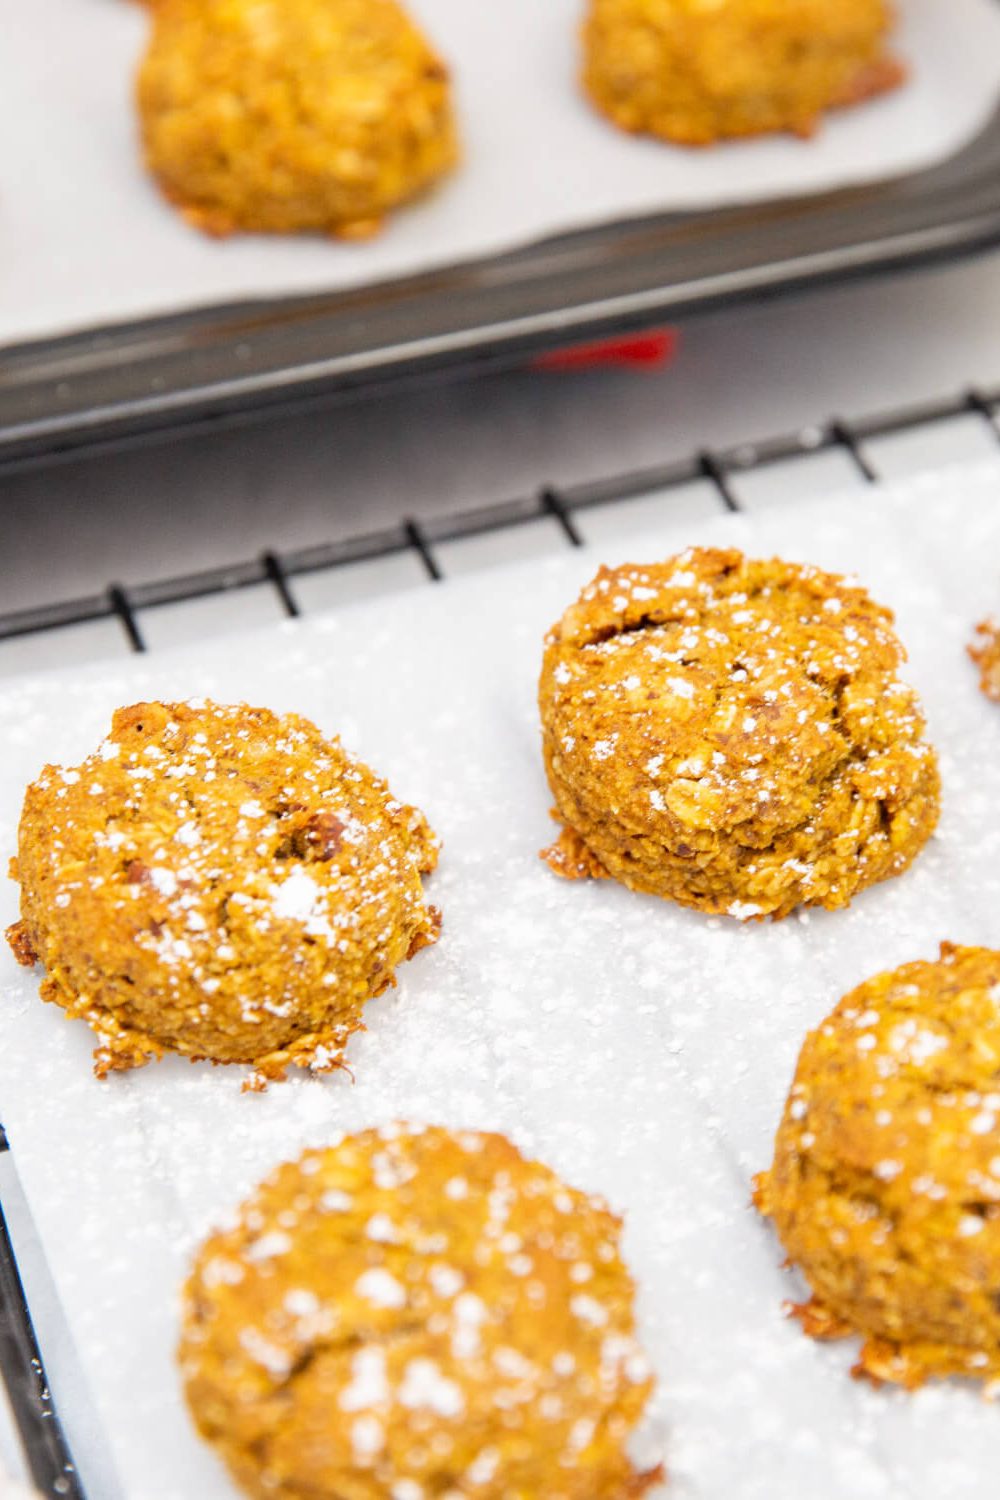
[(733, 735), (219, 881), (416, 1313), (885, 1188)]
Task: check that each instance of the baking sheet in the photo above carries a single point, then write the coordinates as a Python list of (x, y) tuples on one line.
[(643, 1050), (86, 240)]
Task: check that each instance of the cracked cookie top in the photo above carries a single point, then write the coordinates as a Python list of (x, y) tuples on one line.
[(221, 881), (731, 718), (414, 1312)]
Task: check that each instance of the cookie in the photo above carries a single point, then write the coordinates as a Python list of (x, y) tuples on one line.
[(282, 116), (696, 73), (414, 1313), (885, 1187), (732, 734), (219, 881), (986, 654)]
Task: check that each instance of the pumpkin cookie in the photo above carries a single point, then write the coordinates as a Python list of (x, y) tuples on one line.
[(885, 1188), (417, 1313), (696, 73), (219, 881), (732, 734), (280, 116), (986, 654)]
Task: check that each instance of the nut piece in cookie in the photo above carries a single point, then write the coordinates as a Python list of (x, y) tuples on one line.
[(732, 734), (278, 116), (696, 73), (885, 1188), (417, 1312), (985, 652), (219, 881)]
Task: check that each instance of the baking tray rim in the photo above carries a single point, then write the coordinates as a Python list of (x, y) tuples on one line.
[(144, 377)]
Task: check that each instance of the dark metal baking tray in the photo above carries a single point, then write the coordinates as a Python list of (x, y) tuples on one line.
[(229, 363)]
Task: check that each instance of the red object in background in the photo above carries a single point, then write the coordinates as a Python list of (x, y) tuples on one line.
[(647, 351)]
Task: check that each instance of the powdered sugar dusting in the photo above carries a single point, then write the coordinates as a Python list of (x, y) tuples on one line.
[(381, 1289), (643, 1051)]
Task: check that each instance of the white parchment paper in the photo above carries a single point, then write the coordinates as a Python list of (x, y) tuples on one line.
[(643, 1050), (85, 238)]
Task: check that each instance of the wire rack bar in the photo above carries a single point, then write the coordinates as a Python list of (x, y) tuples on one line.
[(274, 570), (120, 605), (277, 568), (418, 539), (849, 439), (554, 505), (712, 468), (980, 406)]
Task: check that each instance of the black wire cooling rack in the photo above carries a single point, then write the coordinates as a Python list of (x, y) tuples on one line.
[(46, 1448), (279, 568)]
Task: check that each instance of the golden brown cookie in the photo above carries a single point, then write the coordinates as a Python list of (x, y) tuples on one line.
[(885, 1188), (219, 881), (696, 72), (416, 1313), (986, 654), (280, 116), (732, 734)]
